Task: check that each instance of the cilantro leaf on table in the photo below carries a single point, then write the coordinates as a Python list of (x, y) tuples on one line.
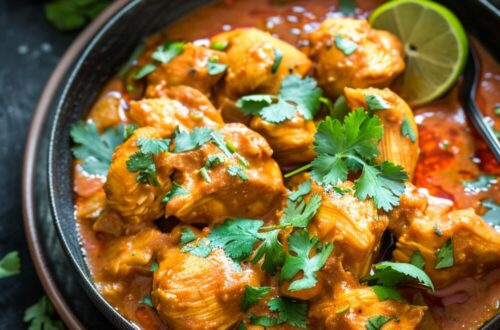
[(345, 45), (168, 51), (94, 149), (444, 256), (252, 295), (187, 236), (214, 68), (417, 259), (236, 237), (385, 292), (301, 245), (376, 322), (302, 189), (271, 250), (10, 264), (298, 214), (492, 216), (41, 315), (187, 141), (153, 146), (375, 102), (482, 183), (68, 15), (176, 190), (289, 311), (390, 274)]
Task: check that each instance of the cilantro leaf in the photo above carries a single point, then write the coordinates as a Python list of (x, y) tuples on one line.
[(41, 315), (242, 326), (153, 146), (204, 174), (235, 170), (10, 264), (168, 51), (375, 102), (407, 130), (444, 256), (252, 296), (492, 216), (236, 237), (390, 274), (219, 141), (300, 243), (345, 45), (271, 250), (253, 104), (219, 45), (482, 183), (417, 259), (298, 214), (201, 248), (303, 189), (144, 164), (263, 321), (213, 160), (278, 112), (146, 300), (144, 71), (376, 322), (187, 236), (176, 190), (289, 311), (187, 141), (214, 68), (93, 149), (278, 56), (154, 267), (384, 293)]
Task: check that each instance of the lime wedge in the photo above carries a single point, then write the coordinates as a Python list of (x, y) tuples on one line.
[(435, 44)]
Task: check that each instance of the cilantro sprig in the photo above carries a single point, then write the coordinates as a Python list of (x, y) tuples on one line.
[(168, 51), (10, 264), (41, 315), (289, 311), (252, 296), (142, 161)]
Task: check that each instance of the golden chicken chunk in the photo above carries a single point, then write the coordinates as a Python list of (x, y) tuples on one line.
[(454, 244), (181, 106), (399, 143), (136, 202), (191, 292), (220, 184), (291, 140), (252, 56), (189, 68), (349, 53)]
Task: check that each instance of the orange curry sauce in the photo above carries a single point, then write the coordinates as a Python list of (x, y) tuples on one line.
[(450, 149)]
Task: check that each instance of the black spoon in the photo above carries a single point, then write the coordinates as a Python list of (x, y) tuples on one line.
[(469, 90)]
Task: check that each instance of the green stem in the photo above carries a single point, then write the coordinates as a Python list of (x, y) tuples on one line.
[(298, 170)]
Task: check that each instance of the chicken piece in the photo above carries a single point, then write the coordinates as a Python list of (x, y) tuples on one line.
[(189, 68), (291, 140), (136, 202), (133, 253), (420, 225), (352, 225), (177, 106), (376, 61), (191, 292), (394, 146), (233, 191), (251, 54)]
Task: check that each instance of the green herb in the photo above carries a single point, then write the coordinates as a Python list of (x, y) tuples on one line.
[(187, 141), (218, 140), (144, 164), (187, 236), (278, 56), (263, 321), (417, 259), (345, 45), (146, 300), (214, 68), (93, 149), (236, 237), (271, 250), (153, 146), (347, 7), (296, 94), (168, 51), (444, 256), (289, 311), (130, 62), (492, 216), (384, 293), (154, 267), (68, 15), (242, 326), (252, 296), (342, 310), (376, 322), (375, 102), (10, 264), (176, 190), (128, 130), (219, 45), (200, 249), (341, 192), (407, 130), (482, 183), (390, 274), (298, 214), (144, 71), (204, 174), (41, 315), (300, 243), (340, 108), (235, 170), (303, 189), (352, 146), (213, 160)]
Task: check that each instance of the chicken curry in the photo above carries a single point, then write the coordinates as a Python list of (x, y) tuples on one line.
[(249, 167)]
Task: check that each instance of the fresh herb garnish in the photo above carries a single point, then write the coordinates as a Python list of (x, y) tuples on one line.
[(213, 160), (154, 267), (68, 15), (390, 274), (168, 51), (145, 165), (204, 174), (153, 146), (417, 259), (128, 130), (492, 216), (296, 94), (93, 149), (482, 183), (407, 130), (444, 256), (385, 292), (375, 102), (214, 68), (187, 141), (176, 190), (376, 322), (10, 264), (41, 315), (236, 170), (278, 56), (144, 71), (252, 296), (345, 45), (219, 45), (263, 321), (289, 311), (298, 213), (146, 300), (187, 236), (271, 250), (303, 189), (199, 248), (300, 243)]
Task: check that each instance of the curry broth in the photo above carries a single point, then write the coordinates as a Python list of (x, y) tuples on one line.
[(451, 151)]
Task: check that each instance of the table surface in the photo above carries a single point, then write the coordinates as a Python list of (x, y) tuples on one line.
[(31, 48)]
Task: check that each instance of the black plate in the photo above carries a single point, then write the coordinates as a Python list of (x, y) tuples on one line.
[(102, 57)]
